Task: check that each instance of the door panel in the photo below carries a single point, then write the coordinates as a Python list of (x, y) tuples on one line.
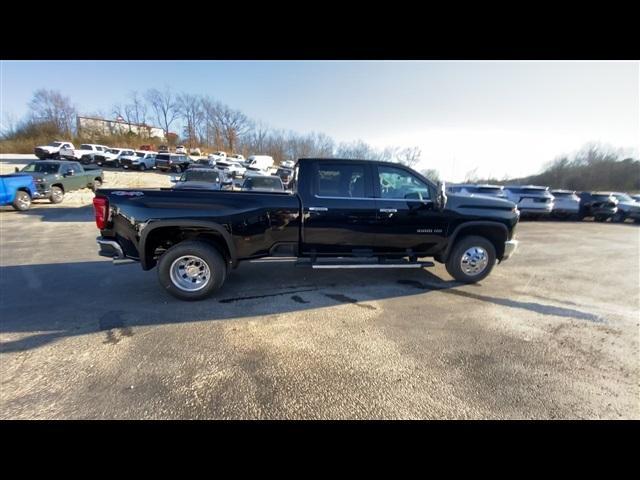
[(407, 218), (340, 215)]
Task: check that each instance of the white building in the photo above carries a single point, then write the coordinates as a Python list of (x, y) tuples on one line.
[(100, 126)]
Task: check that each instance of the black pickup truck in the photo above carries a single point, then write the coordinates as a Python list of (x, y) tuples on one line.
[(340, 214)]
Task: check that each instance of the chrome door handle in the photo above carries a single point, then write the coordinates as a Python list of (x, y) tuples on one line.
[(318, 209), (389, 210)]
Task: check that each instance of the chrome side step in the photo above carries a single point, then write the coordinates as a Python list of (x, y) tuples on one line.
[(351, 262), (373, 265)]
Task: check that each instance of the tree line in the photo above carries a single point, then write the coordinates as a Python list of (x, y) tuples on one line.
[(206, 123), (594, 167)]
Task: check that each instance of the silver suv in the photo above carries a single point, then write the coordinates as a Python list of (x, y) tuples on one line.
[(484, 190), (532, 200), (565, 203), (628, 207)]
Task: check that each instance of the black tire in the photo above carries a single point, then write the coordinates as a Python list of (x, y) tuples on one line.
[(22, 201), (142, 167), (96, 185), (57, 195), (178, 169), (619, 217), (209, 254), (600, 218), (454, 261)]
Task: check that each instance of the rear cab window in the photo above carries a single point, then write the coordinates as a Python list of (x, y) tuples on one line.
[(342, 180)]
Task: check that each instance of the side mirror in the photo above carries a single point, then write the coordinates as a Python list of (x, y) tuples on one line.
[(442, 195), (16, 169)]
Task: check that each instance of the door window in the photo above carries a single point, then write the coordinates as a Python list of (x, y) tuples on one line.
[(396, 183), (341, 180)]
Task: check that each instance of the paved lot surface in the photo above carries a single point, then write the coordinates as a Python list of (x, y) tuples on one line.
[(552, 333)]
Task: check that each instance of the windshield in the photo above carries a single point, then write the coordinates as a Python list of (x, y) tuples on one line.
[(200, 176), (114, 150), (86, 147), (491, 190), (55, 144), (41, 168), (562, 194), (140, 154), (601, 197), (623, 197), (270, 183)]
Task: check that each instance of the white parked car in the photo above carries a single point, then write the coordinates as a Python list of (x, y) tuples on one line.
[(195, 151), (52, 150), (112, 156), (531, 200), (237, 157), (565, 203), (86, 150), (288, 164), (218, 155), (180, 149), (232, 167), (261, 163), (141, 160)]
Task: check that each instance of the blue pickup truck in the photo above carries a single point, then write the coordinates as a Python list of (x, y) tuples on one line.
[(17, 191)]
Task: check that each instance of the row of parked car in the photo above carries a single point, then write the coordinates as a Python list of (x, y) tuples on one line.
[(540, 201)]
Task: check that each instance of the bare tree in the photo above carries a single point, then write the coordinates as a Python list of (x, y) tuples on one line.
[(191, 111), (431, 173), (164, 107), (409, 156), (52, 106), (235, 125)]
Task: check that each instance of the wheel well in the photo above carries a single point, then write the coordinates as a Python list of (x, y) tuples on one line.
[(59, 185), (496, 235), (23, 189), (162, 238)]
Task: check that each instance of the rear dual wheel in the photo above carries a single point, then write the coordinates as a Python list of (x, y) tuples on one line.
[(192, 270)]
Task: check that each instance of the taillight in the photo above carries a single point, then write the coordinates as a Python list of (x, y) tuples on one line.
[(101, 208)]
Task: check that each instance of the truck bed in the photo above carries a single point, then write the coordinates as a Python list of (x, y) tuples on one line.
[(254, 222)]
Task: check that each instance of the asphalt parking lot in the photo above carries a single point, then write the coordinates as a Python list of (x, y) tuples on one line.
[(552, 333)]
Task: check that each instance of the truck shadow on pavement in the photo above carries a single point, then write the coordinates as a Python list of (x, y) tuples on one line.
[(55, 213), (89, 297)]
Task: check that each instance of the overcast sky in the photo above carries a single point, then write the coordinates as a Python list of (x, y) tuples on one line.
[(505, 118)]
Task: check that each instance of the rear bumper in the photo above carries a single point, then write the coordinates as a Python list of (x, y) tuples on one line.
[(510, 246), (111, 249)]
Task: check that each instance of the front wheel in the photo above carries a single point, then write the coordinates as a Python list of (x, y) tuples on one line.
[(471, 259), (192, 270), (96, 185), (57, 194), (22, 202), (619, 217), (178, 168), (142, 167)]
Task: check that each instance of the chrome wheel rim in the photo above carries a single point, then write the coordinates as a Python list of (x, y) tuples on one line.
[(23, 201), (56, 193), (190, 273), (474, 261)]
